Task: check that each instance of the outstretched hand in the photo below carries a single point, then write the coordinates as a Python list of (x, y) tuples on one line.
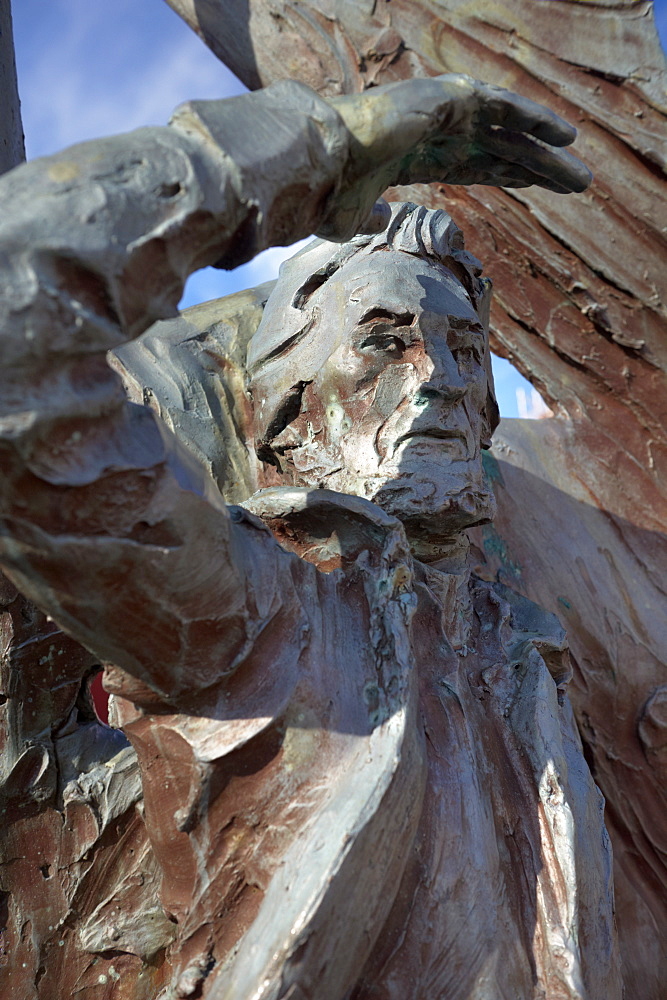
[(450, 129)]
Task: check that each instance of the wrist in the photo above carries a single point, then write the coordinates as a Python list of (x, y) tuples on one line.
[(278, 155)]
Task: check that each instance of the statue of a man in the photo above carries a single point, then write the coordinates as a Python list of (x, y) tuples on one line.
[(361, 775)]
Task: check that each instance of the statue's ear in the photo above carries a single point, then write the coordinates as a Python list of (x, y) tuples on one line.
[(491, 413)]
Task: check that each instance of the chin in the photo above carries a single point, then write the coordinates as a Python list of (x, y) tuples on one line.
[(435, 512), (435, 505)]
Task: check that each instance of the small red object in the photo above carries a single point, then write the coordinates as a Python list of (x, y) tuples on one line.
[(100, 698)]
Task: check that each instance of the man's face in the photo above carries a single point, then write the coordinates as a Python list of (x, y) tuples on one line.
[(396, 412)]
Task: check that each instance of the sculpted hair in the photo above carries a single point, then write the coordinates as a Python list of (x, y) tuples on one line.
[(423, 232)]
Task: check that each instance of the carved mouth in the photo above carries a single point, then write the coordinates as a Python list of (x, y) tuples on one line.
[(454, 442)]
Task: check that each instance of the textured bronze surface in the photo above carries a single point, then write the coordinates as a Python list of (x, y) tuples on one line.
[(398, 806), (580, 308)]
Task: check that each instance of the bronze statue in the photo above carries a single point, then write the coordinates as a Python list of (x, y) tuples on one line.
[(361, 775)]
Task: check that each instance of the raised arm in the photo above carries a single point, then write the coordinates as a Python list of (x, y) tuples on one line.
[(106, 523)]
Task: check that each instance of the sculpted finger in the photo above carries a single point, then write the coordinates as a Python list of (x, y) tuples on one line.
[(520, 114), (511, 175), (543, 182), (553, 165)]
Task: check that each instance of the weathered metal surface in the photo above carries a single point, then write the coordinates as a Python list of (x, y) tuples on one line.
[(580, 305), (302, 711), (73, 848), (582, 317), (580, 308), (601, 569)]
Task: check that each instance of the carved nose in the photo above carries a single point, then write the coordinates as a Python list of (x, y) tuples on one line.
[(443, 381), (449, 393)]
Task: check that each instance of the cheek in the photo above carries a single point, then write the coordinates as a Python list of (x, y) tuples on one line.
[(328, 413), (336, 382), (363, 392), (475, 400), (393, 388), (338, 420), (478, 386), (386, 393)]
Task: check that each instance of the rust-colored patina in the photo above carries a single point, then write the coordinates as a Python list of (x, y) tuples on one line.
[(580, 307), (248, 815)]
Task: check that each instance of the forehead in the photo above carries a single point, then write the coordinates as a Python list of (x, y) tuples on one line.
[(294, 343), (400, 283)]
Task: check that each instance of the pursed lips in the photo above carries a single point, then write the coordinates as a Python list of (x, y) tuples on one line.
[(437, 436)]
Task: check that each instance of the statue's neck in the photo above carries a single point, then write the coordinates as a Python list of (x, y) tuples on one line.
[(447, 574), (449, 555)]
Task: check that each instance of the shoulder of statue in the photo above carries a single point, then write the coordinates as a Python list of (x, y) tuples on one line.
[(533, 628), (191, 372)]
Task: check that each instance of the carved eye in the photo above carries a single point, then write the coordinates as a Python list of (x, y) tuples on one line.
[(383, 343), (467, 355)]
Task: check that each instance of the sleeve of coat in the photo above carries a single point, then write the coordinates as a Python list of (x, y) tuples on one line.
[(105, 521)]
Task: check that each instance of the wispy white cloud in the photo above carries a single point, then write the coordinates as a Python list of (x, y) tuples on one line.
[(102, 69), (212, 284), (92, 69)]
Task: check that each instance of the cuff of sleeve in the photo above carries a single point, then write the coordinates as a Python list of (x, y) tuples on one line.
[(283, 149)]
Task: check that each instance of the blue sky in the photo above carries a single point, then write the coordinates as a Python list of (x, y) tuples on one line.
[(88, 68)]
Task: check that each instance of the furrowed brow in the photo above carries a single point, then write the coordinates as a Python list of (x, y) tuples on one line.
[(400, 319)]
